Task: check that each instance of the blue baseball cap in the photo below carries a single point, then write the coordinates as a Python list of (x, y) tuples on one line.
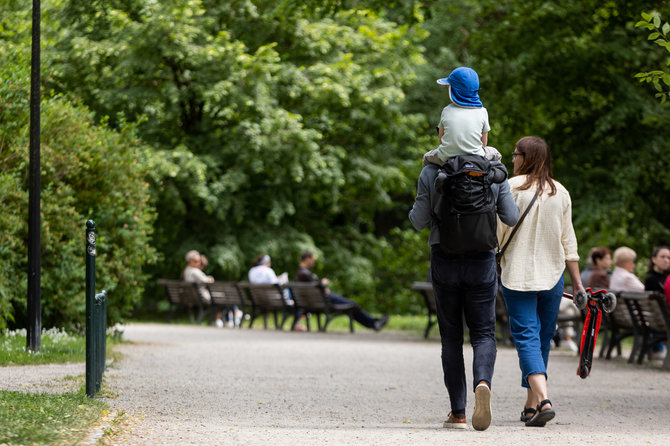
[(464, 84)]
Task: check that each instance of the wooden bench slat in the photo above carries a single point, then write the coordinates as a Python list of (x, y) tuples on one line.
[(643, 315), (185, 294), (310, 299), (426, 290), (264, 299)]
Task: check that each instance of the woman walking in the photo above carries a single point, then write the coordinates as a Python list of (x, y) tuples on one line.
[(533, 266)]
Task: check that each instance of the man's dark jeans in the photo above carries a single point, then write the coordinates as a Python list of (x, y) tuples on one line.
[(465, 284)]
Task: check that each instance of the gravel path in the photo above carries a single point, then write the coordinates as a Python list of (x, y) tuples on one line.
[(203, 385)]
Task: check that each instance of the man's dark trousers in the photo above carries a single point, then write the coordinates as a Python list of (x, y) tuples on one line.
[(360, 316), (465, 285)]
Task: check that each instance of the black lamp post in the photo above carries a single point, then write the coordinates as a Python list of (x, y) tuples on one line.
[(33, 338)]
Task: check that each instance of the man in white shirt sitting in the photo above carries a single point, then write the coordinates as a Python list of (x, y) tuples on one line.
[(263, 273)]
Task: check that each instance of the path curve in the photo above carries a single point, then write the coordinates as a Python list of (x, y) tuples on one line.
[(202, 385)]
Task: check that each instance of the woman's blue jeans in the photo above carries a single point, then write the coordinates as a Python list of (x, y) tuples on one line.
[(532, 321), (465, 286)]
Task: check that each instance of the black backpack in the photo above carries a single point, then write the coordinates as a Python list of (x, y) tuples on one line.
[(466, 208)]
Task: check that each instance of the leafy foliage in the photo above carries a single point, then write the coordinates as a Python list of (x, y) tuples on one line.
[(283, 126), (87, 172), (565, 71), (660, 35), (275, 132)]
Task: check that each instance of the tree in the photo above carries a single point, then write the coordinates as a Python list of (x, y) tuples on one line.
[(565, 71), (660, 79), (88, 171), (275, 132)]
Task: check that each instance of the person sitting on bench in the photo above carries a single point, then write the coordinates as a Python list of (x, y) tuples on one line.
[(304, 274)]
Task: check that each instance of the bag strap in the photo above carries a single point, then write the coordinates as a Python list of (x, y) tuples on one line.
[(500, 253)]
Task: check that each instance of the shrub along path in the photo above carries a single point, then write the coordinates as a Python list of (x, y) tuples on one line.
[(203, 385)]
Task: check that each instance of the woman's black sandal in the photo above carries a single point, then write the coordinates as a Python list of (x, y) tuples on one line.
[(527, 413), (541, 416)]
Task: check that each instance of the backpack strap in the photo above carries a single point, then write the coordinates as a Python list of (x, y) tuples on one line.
[(500, 253)]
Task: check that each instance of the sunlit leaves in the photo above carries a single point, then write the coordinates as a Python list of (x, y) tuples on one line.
[(660, 79)]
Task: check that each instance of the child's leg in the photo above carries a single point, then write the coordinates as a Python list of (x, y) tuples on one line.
[(492, 154), (431, 157)]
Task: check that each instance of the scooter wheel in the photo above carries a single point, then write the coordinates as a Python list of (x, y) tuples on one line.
[(608, 302), (581, 298), (583, 371)]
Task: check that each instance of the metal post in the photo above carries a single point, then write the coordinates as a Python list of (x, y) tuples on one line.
[(33, 337), (103, 330), (97, 339), (100, 328), (91, 359)]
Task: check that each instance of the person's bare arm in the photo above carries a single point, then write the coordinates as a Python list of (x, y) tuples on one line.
[(440, 134), (485, 138), (573, 270)]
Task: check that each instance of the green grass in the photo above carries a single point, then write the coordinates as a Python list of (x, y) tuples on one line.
[(415, 324), (56, 419), (45, 418), (410, 323), (57, 346)]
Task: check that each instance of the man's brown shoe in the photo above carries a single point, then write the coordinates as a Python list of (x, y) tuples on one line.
[(455, 422)]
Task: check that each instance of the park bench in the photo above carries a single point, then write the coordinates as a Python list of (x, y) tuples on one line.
[(265, 299), (502, 319), (564, 320), (184, 294), (617, 325), (426, 290), (226, 296), (651, 322), (310, 299)]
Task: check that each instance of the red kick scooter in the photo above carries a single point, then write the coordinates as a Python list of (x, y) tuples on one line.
[(594, 302)]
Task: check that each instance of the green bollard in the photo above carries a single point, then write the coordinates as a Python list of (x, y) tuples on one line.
[(91, 359), (96, 320)]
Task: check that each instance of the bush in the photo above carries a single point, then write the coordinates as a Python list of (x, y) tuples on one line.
[(88, 172)]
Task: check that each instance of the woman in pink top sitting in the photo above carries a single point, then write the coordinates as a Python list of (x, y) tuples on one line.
[(623, 278)]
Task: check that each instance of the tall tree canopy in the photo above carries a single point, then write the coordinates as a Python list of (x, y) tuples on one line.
[(279, 126), (277, 131), (565, 71)]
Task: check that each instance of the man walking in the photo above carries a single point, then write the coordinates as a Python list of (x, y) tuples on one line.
[(464, 284)]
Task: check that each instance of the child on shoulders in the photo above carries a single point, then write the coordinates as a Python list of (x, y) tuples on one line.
[(464, 124)]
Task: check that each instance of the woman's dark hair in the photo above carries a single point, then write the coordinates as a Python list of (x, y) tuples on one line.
[(536, 163), (654, 253), (598, 253)]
